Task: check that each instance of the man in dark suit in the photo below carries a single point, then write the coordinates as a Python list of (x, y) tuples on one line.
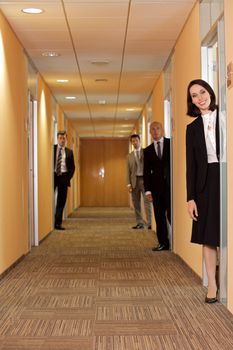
[(63, 171), (157, 182)]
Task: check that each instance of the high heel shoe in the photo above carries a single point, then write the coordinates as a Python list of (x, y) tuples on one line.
[(212, 300)]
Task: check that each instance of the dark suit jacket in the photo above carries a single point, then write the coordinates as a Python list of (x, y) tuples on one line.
[(196, 156), (69, 162), (157, 171)]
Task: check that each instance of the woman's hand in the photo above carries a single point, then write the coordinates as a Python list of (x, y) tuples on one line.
[(192, 210)]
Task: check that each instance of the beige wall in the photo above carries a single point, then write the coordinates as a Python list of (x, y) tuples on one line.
[(13, 145), (186, 66), (72, 191), (229, 98), (144, 128), (60, 118), (45, 162), (157, 100)]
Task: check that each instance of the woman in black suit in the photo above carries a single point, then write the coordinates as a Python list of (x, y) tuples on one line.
[(203, 177)]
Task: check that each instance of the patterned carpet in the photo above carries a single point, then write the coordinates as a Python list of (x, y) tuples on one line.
[(98, 286)]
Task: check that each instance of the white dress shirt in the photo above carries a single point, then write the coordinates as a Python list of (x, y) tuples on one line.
[(209, 121)]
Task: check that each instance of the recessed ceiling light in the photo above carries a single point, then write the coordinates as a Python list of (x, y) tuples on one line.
[(70, 97), (101, 80), (62, 80), (50, 54), (102, 102), (100, 62), (130, 109), (32, 10)]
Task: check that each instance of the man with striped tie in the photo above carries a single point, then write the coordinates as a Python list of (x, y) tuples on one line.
[(63, 172)]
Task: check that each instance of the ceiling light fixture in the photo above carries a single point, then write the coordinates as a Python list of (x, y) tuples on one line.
[(130, 109), (70, 97), (62, 80), (50, 54), (32, 10), (102, 102), (100, 62), (101, 80)]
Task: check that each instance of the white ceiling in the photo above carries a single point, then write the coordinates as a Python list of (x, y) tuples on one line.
[(135, 38)]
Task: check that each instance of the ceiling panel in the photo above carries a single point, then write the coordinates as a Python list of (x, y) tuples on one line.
[(43, 35), (94, 10), (160, 9), (136, 38), (99, 24)]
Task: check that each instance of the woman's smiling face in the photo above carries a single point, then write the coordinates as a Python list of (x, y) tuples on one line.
[(200, 98)]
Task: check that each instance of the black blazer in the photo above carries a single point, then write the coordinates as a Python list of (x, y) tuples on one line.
[(157, 171), (69, 162), (196, 156)]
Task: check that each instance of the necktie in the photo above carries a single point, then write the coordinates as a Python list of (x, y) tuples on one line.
[(59, 160), (159, 150), (138, 155)]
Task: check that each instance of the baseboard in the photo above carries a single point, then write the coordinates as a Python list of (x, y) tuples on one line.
[(4, 273)]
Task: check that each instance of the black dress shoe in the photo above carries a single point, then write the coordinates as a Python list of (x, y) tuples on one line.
[(160, 247), (138, 227), (211, 300), (59, 227)]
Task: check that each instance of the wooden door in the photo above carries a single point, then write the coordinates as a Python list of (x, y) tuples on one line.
[(103, 172)]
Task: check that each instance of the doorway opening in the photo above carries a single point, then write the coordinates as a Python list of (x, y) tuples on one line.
[(213, 71), (33, 173)]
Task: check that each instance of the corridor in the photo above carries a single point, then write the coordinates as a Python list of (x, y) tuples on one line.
[(98, 286)]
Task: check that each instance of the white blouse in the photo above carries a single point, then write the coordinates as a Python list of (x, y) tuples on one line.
[(209, 122)]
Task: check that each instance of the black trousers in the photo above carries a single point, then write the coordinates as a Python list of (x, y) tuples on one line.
[(162, 211), (61, 183)]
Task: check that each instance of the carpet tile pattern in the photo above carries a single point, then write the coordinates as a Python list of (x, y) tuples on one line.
[(98, 286)]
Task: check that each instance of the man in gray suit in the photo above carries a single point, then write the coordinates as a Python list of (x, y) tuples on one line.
[(135, 182)]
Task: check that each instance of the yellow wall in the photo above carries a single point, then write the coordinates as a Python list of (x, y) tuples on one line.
[(72, 191), (60, 118), (157, 100), (45, 162), (186, 66), (13, 145), (228, 10)]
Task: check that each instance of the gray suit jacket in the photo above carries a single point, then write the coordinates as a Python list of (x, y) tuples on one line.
[(132, 168)]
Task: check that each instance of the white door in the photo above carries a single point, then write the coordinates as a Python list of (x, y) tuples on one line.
[(32, 176)]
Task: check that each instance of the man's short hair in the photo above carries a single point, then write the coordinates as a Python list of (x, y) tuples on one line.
[(134, 136), (61, 132)]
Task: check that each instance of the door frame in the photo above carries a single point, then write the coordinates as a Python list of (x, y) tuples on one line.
[(216, 36), (33, 239)]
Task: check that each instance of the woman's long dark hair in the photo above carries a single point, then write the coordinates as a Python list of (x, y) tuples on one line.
[(192, 110)]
